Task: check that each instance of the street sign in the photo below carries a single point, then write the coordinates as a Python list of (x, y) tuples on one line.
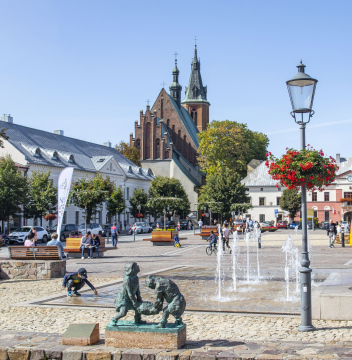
[(276, 211), (276, 215), (310, 212)]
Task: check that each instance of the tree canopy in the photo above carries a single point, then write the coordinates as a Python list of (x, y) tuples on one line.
[(131, 152), (139, 198), (42, 195), (116, 202), (3, 136), (89, 194), (222, 191), (229, 144), (13, 189), (291, 201), (165, 192)]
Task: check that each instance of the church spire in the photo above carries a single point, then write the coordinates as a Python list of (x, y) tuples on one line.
[(175, 87), (195, 90)]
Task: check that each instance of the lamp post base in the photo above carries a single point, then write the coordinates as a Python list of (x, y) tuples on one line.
[(305, 328)]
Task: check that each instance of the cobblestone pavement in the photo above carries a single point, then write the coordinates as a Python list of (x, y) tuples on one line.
[(279, 333)]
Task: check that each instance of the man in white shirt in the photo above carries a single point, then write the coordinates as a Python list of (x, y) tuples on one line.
[(200, 224)]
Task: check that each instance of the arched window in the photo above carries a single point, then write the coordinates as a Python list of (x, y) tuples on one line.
[(157, 149), (166, 154), (168, 123), (179, 139), (138, 144), (194, 92), (194, 115), (162, 108)]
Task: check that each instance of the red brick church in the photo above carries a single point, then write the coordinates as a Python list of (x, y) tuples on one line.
[(166, 134)]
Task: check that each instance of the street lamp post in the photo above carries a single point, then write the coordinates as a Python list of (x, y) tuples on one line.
[(301, 89)]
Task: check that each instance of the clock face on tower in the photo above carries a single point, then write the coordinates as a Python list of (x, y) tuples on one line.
[(349, 178)]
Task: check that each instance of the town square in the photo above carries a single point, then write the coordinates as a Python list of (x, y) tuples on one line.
[(175, 180)]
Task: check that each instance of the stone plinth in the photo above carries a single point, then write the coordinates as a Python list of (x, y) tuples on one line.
[(32, 269), (81, 334), (127, 334)]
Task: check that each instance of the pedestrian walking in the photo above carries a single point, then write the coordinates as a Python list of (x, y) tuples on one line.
[(331, 232), (226, 236), (200, 224), (114, 234)]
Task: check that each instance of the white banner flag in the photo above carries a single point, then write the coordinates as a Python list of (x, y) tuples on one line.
[(63, 189)]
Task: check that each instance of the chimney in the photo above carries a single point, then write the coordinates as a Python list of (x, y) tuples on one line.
[(338, 160), (59, 132), (7, 118), (107, 144)]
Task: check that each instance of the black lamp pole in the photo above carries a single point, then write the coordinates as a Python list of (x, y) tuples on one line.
[(301, 89)]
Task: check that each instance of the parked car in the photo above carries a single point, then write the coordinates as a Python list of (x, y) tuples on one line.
[(184, 224), (142, 227), (344, 223), (20, 235), (265, 224), (67, 230), (323, 225), (282, 225), (170, 224), (161, 224), (93, 228), (293, 224)]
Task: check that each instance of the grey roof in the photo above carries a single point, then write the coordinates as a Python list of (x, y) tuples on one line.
[(45, 148), (344, 165), (187, 121), (259, 177), (195, 92)]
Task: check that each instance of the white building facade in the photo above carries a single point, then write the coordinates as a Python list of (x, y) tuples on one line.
[(35, 150)]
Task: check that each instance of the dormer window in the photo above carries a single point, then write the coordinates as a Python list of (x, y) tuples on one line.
[(71, 159), (54, 156), (37, 152)]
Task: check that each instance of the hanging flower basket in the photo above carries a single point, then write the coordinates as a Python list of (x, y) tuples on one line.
[(299, 167), (139, 215), (48, 217)]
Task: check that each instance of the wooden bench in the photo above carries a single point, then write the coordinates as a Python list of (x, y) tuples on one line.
[(73, 247), (34, 253), (206, 232), (162, 238)]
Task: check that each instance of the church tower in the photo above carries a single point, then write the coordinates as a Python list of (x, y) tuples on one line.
[(196, 96), (175, 87)]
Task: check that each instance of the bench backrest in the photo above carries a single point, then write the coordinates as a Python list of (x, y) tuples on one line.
[(75, 243), (34, 252)]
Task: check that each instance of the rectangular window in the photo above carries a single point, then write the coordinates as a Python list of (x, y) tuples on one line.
[(327, 215), (77, 218), (278, 201), (128, 193), (261, 189), (348, 195), (261, 217), (64, 220), (326, 196), (315, 214), (314, 196), (50, 223), (35, 222), (261, 201)]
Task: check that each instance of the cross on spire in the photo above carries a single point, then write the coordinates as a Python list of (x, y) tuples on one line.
[(195, 41), (163, 84), (176, 55)]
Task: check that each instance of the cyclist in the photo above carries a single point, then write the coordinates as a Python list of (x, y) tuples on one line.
[(213, 239)]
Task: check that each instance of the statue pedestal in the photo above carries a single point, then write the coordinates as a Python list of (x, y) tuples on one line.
[(127, 334)]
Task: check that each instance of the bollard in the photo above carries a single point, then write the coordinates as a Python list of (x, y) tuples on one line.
[(260, 241), (342, 238), (107, 237)]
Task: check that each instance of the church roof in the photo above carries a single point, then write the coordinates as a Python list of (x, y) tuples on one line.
[(49, 149), (259, 177), (187, 121), (195, 92)]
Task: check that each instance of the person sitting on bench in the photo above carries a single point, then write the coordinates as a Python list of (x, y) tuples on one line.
[(75, 281), (86, 243), (95, 243), (55, 242)]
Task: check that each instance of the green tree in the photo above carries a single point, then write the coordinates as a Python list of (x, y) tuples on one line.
[(89, 194), (165, 192), (116, 202), (13, 189), (290, 201), (42, 196), (3, 136), (131, 152), (221, 191), (229, 144), (139, 198)]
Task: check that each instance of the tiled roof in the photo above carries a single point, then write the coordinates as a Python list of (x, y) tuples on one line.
[(259, 177), (45, 148)]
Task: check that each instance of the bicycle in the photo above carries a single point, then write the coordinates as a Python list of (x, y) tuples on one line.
[(210, 250)]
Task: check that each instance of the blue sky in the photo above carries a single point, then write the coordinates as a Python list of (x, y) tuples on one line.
[(88, 67)]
